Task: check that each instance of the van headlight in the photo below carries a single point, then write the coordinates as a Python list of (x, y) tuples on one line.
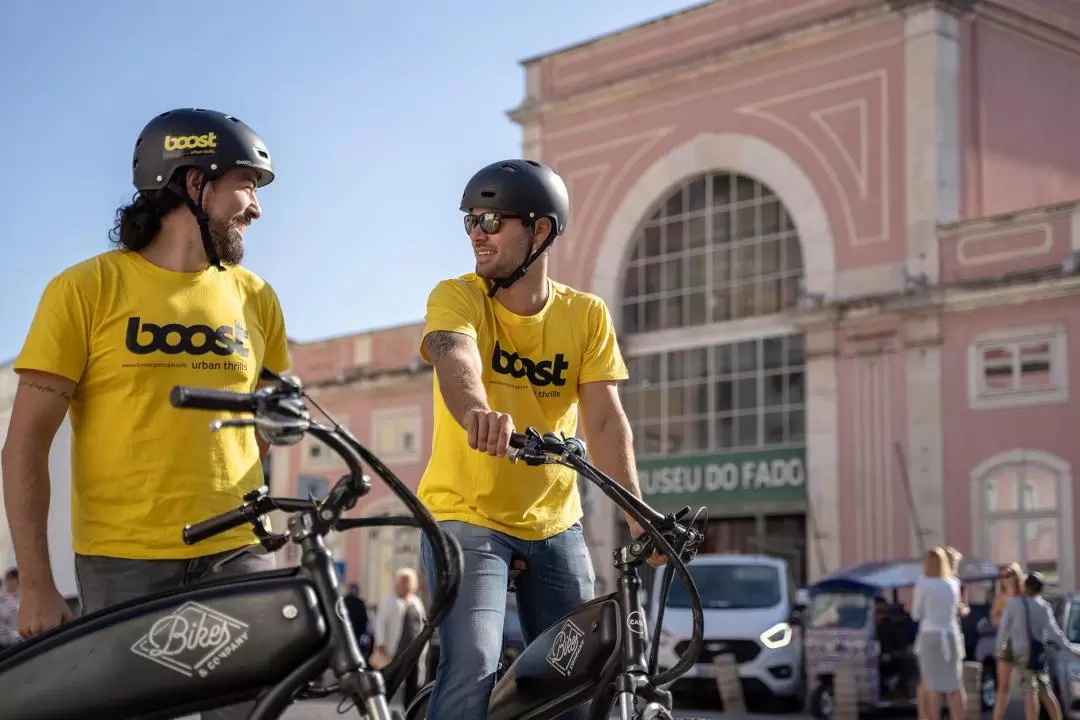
[(777, 636)]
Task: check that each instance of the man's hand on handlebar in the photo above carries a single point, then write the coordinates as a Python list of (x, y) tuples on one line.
[(657, 559), (489, 431)]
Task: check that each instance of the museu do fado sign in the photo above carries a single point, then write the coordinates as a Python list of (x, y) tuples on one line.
[(770, 475)]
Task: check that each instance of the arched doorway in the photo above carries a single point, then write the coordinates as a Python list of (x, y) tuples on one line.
[(717, 389)]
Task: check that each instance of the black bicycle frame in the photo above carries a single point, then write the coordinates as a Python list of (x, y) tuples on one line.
[(259, 637)]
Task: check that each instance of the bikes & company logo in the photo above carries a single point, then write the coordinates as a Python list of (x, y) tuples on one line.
[(635, 623), (540, 374), (566, 648), (144, 338), (192, 640)]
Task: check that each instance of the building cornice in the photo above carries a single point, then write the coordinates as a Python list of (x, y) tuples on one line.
[(1023, 288), (754, 48), (363, 381), (715, 60)]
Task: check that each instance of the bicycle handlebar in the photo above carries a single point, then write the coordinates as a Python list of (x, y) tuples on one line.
[(278, 410), (216, 525), (664, 532), (209, 399)]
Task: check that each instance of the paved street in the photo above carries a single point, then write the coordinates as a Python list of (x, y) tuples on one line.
[(327, 710)]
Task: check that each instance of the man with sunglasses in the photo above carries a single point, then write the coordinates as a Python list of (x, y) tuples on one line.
[(511, 346)]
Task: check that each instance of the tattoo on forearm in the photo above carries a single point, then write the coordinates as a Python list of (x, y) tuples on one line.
[(438, 344), (40, 387)]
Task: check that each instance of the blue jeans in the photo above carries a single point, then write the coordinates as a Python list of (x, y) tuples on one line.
[(559, 577)]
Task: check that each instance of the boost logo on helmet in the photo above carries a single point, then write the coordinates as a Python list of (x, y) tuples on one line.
[(196, 144), (176, 339)]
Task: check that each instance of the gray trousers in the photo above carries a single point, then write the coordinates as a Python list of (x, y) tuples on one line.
[(106, 581)]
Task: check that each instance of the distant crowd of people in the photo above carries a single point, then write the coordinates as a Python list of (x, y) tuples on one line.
[(1025, 627)]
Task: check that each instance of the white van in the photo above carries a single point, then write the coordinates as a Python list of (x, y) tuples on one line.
[(747, 602)]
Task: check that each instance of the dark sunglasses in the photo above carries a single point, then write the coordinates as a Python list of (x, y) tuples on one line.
[(489, 222)]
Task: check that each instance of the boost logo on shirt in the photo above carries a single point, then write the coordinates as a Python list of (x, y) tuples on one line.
[(540, 374), (175, 339)]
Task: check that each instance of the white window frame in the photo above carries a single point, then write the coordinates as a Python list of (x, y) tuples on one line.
[(981, 398), (411, 413), (982, 515)]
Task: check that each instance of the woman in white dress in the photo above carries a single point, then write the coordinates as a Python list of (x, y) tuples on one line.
[(939, 644)]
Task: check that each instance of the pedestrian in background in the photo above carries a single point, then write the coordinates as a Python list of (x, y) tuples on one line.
[(939, 645), (1028, 625), (1012, 579)]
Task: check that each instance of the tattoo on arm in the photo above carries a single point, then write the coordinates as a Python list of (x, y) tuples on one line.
[(44, 388), (439, 344)]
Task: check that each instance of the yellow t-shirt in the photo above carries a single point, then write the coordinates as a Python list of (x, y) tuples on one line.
[(533, 367), (126, 331)]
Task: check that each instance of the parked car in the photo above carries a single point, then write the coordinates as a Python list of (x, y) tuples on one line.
[(748, 603), (1064, 666)]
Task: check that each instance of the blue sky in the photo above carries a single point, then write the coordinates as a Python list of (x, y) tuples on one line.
[(375, 114)]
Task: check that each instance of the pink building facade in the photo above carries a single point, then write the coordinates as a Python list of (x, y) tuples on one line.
[(834, 236)]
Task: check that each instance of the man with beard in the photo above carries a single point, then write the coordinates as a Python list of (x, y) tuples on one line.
[(512, 347), (170, 305)]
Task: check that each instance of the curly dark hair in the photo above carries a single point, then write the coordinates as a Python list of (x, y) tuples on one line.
[(137, 224)]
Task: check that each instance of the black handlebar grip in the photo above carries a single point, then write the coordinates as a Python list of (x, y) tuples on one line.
[(207, 399), (214, 526), (518, 440)]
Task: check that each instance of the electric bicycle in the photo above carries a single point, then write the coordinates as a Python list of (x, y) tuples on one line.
[(598, 651), (264, 637)]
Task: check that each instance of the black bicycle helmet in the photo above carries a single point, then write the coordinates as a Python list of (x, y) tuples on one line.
[(526, 188), (196, 138)]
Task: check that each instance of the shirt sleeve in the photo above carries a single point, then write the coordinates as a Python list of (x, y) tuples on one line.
[(450, 308), (59, 338), (276, 357), (603, 361)]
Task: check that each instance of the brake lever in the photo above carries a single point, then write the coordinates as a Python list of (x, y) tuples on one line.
[(276, 432), (216, 425), (530, 457)]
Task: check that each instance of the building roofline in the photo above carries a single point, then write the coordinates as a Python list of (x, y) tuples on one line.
[(613, 33), (356, 333)]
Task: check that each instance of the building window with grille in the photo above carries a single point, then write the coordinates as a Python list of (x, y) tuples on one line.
[(722, 248), (1018, 367), (735, 396), (1023, 512), (716, 395)]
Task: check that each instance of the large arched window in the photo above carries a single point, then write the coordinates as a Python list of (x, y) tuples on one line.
[(720, 248), (1025, 511)]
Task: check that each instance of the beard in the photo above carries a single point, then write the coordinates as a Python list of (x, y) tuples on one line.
[(508, 261), (227, 239)]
